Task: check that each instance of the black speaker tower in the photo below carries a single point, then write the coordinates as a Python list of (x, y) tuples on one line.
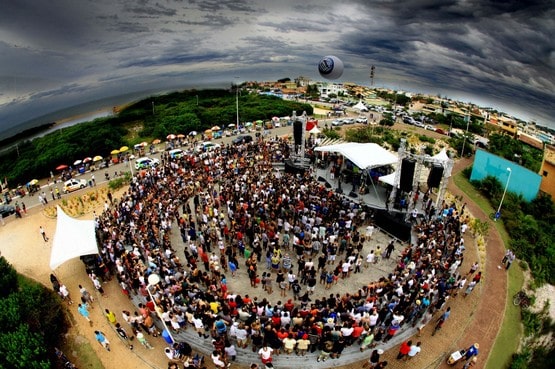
[(407, 174)]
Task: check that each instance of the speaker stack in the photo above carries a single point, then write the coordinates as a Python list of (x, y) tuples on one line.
[(298, 132), (434, 178), (407, 174)]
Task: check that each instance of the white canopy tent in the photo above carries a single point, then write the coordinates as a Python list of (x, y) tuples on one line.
[(363, 155), (360, 106), (388, 179), (441, 156), (73, 238)]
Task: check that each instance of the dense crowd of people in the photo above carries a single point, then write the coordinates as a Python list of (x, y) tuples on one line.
[(232, 210)]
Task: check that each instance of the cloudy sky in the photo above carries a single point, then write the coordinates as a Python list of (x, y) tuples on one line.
[(60, 53)]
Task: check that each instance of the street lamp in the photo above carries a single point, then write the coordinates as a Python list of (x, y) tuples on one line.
[(498, 213), (237, 102), (153, 280)]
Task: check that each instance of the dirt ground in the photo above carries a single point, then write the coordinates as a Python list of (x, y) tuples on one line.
[(476, 318)]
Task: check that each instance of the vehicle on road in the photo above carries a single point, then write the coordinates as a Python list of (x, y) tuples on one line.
[(430, 127), (207, 146), (242, 139), (441, 131), (419, 124), (336, 122), (6, 210), (146, 162), (348, 121), (74, 185), (176, 153)]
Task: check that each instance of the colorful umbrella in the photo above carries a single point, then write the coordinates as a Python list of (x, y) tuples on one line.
[(97, 158), (193, 133), (77, 162), (143, 144), (87, 159), (216, 128), (232, 125), (156, 142), (33, 182), (170, 137), (61, 167), (114, 152), (180, 135), (123, 149)]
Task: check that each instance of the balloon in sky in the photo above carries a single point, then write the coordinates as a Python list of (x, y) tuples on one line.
[(330, 67)]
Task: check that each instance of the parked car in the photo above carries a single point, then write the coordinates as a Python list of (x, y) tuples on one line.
[(362, 119), (242, 139), (74, 185), (6, 210), (146, 162), (176, 153), (430, 127), (336, 122), (419, 124), (207, 146), (348, 121), (441, 131)]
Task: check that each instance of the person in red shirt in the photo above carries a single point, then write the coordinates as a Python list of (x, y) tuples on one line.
[(404, 349)]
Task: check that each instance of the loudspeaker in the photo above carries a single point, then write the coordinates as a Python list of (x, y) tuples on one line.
[(298, 132), (434, 178), (393, 224), (407, 174), (353, 194), (291, 167)]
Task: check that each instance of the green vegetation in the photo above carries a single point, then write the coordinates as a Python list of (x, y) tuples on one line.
[(32, 321), (515, 150), (529, 225), (155, 117)]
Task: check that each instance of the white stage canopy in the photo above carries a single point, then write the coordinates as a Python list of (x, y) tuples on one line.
[(363, 155), (442, 155), (73, 238), (388, 179)]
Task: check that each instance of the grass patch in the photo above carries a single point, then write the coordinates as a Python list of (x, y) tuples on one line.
[(80, 352), (508, 338)]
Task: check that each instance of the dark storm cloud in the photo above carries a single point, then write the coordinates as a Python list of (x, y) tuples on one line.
[(63, 52)]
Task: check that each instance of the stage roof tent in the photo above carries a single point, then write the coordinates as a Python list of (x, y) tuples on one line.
[(363, 155), (73, 238), (360, 106), (388, 179)]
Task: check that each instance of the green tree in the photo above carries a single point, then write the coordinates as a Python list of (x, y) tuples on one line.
[(23, 349)]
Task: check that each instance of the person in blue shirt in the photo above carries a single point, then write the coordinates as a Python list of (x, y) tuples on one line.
[(471, 351), (101, 338)]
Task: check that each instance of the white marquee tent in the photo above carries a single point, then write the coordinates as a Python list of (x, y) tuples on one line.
[(360, 106), (73, 238), (363, 155)]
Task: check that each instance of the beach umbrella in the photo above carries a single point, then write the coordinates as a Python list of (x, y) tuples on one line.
[(275, 119), (61, 167), (33, 182), (156, 141), (216, 128), (208, 131), (123, 149), (97, 158), (87, 159), (77, 162), (248, 124), (259, 121), (193, 133), (143, 144), (180, 135), (114, 152), (170, 137), (232, 125)]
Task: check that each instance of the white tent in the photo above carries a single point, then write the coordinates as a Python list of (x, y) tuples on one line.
[(388, 179), (442, 155), (360, 106), (314, 130), (363, 155), (73, 238)]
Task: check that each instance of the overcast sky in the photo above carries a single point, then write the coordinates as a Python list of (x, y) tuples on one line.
[(59, 53)]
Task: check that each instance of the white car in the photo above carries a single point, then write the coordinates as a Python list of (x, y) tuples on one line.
[(337, 122), (74, 185), (207, 146), (348, 121), (429, 127), (146, 162), (362, 119), (176, 153), (419, 124)]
